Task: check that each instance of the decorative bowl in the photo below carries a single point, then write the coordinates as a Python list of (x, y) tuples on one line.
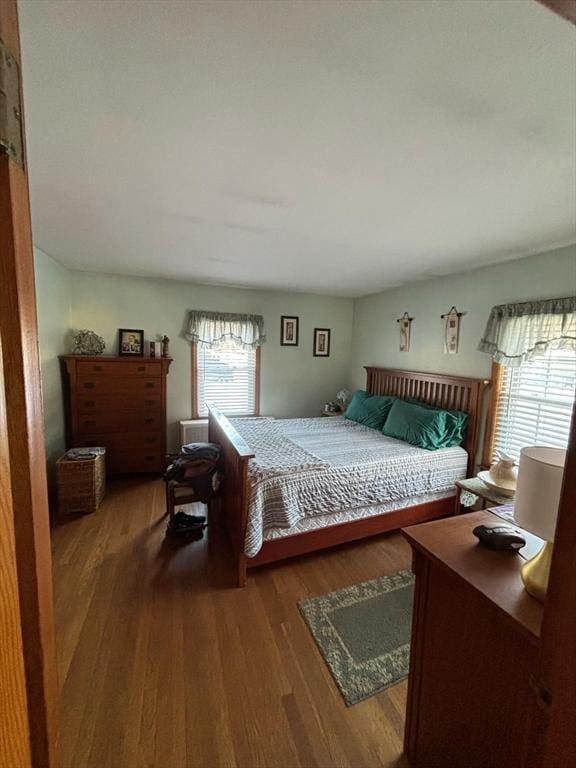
[(487, 480)]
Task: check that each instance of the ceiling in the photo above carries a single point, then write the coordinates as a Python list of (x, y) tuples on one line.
[(332, 147)]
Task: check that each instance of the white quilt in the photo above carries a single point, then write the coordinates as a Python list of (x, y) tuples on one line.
[(316, 468)]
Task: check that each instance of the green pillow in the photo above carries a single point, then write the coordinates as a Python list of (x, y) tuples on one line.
[(369, 410), (415, 424), (456, 422)]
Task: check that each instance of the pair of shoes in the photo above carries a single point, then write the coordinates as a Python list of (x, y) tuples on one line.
[(191, 526)]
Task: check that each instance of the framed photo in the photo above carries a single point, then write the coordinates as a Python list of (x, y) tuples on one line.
[(288, 331), (130, 342), (321, 342)]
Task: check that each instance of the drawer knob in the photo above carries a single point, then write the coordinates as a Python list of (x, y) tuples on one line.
[(89, 385), (89, 403), (149, 385), (96, 367), (90, 423), (148, 402), (150, 440), (149, 420), (141, 367)]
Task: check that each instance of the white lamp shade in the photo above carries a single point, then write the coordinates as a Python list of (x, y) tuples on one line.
[(538, 490)]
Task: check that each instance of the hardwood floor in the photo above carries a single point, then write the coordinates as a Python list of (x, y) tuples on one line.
[(164, 664)]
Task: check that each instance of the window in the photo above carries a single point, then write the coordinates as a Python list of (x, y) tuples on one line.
[(534, 403), (227, 375)]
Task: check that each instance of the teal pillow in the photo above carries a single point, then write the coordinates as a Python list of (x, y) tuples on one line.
[(354, 410), (456, 422), (417, 425), (369, 410)]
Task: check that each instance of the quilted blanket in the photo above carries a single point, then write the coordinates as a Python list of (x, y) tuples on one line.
[(307, 468)]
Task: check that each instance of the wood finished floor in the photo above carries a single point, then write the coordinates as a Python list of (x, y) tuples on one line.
[(164, 664)]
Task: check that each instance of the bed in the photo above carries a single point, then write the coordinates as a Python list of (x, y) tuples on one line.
[(299, 485)]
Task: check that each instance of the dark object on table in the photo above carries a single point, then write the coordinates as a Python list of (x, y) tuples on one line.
[(499, 537)]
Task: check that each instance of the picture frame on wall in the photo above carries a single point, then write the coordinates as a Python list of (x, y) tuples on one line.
[(130, 342), (405, 323), (289, 331), (321, 342), (451, 331)]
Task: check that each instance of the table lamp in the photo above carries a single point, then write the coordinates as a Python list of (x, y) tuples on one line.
[(536, 509)]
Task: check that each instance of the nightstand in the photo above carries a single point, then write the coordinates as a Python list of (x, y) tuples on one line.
[(475, 645), (476, 487)]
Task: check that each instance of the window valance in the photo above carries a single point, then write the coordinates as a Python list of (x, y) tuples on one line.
[(211, 328), (518, 332)]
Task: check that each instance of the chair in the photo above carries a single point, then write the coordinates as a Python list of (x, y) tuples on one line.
[(176, 494)]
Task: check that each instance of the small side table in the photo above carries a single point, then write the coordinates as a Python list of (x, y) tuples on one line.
[(476, 487)]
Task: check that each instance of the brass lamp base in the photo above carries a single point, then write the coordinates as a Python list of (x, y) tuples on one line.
[(535, 572)]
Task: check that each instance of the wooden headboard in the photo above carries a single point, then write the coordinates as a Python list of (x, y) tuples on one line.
[(458, 393)]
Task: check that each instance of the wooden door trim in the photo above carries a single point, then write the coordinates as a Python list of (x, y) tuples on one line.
[(21, 368), (14, 731)]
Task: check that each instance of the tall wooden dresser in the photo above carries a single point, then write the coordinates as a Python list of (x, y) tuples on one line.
[(118, 403)]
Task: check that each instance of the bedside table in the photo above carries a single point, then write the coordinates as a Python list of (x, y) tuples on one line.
[(476, 487), (475, 645)]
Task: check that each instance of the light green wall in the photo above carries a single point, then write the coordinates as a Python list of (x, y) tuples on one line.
[(294, 383), (53, 294), (376, 336)]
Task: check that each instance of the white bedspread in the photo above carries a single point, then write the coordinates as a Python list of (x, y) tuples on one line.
[(314, 468)]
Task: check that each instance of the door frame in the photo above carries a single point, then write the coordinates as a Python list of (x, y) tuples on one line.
[(25, 428)]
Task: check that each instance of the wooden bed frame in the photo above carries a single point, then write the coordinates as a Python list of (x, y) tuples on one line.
[(453, 392)]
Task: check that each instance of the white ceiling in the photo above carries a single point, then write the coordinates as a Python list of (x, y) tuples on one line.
[(325, 146)]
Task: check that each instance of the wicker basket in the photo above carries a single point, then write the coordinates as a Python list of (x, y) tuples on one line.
[(81, 484)]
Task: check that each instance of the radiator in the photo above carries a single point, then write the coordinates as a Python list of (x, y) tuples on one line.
[(193, 431)]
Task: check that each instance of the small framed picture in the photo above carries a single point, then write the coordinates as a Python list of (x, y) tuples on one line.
[(130, 342), (321, 342), (288, 331)]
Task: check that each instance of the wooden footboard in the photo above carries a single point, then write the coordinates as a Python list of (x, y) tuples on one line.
[(234, 496)]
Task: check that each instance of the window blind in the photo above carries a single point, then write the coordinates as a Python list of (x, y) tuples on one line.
[(535, 403), (226, 377)]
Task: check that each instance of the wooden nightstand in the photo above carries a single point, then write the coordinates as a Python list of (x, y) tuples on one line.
[(475, 486), (475, 644)]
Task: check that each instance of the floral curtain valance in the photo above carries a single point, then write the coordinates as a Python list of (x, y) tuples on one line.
[(212, 328), (518, 332)]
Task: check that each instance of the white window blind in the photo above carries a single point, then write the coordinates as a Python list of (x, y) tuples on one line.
[(226, 378), (535, 403)]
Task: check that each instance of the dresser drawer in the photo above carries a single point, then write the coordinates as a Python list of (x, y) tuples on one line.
[(106, 385), (123, 462), (120, 368), (128, 441), (97, 403), (124, 421)]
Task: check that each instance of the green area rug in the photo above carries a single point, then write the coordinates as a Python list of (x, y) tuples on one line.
[(363, 632)]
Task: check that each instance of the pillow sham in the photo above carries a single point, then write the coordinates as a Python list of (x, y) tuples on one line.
[(417, 425), (456, 422), (369, 410)]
